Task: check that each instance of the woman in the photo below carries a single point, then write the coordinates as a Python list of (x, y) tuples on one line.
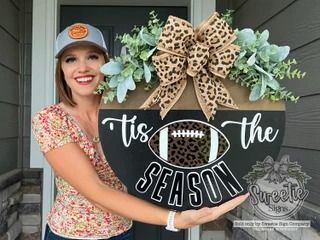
[(91, 202)]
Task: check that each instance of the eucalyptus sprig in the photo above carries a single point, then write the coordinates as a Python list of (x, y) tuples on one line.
[(227, 16), (260, 65), (134, 63)]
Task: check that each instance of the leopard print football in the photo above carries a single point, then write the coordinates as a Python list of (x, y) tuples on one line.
[(188, 143)]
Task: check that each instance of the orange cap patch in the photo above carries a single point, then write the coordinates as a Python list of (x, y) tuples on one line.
[(78, 31)]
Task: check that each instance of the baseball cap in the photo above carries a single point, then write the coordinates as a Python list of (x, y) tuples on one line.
[(79, 33)]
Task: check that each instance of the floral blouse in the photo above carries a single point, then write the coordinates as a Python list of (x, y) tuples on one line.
[(72, 215)]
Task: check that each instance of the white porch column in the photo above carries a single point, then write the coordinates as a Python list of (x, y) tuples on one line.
[(43, 87)]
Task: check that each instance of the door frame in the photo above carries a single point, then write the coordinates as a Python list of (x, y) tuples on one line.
[(45, 19)]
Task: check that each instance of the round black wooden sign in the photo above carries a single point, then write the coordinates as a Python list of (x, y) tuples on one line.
[(184, 161)]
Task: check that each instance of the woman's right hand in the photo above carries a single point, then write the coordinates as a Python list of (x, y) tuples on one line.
[(190, 218)]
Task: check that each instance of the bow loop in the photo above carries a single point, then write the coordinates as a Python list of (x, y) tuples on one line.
[(215, 32), (220, 62), (184, 36), (206, 54)]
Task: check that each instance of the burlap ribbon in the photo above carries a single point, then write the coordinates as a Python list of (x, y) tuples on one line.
[(205, 53)]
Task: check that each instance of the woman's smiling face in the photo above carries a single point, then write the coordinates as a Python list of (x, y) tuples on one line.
[(81, 68)]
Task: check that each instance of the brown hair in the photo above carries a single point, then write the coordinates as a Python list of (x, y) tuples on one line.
[(63, 89)]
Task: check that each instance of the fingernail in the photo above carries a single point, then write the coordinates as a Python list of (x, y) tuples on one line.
[(247, 194)]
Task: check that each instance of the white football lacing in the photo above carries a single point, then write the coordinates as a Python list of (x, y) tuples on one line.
[(188, 133)]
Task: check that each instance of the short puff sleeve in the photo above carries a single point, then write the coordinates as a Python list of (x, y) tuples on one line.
[(50, 130)]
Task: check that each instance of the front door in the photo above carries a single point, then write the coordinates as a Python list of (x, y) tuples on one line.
[(113, 21)]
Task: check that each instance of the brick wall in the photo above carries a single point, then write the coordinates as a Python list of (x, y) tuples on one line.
[(20, 204), (30, 205), (10, 197)]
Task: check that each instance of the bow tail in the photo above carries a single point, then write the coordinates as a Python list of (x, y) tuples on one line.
[(152, 99), (223, 96), (206, 97), (209, 111), (169, 95), (211, 92)]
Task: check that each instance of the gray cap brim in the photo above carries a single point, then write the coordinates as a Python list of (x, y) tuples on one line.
[(58, 54)]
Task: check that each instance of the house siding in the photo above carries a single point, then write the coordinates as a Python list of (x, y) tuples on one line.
[(287, 27), (295, 23), (15, 80), (10, 85)]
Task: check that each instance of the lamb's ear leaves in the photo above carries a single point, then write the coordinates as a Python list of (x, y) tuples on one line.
[(111, 68), (255, 92), (280, 54), (147, 72), (121, 91)]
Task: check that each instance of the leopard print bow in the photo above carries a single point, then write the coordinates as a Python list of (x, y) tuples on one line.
[(206, 54)]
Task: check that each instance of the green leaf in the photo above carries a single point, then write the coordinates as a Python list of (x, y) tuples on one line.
[(138, 73), (255, 92), (151, 52), (264, 36), (227, 16), (121, 91), (105, 99), (263, 88), (110, 96), (240, 63), (263, 71), (272, 49), (273, 83), (121, 78), (242, 54), (113, 83), (147, 72), (157, 32), (147, 38), (151, 67), (252, 60), (280, 53), (246, 37), (130, 84), (128, 70), (111, 68), (143, 55), (263, 53)]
